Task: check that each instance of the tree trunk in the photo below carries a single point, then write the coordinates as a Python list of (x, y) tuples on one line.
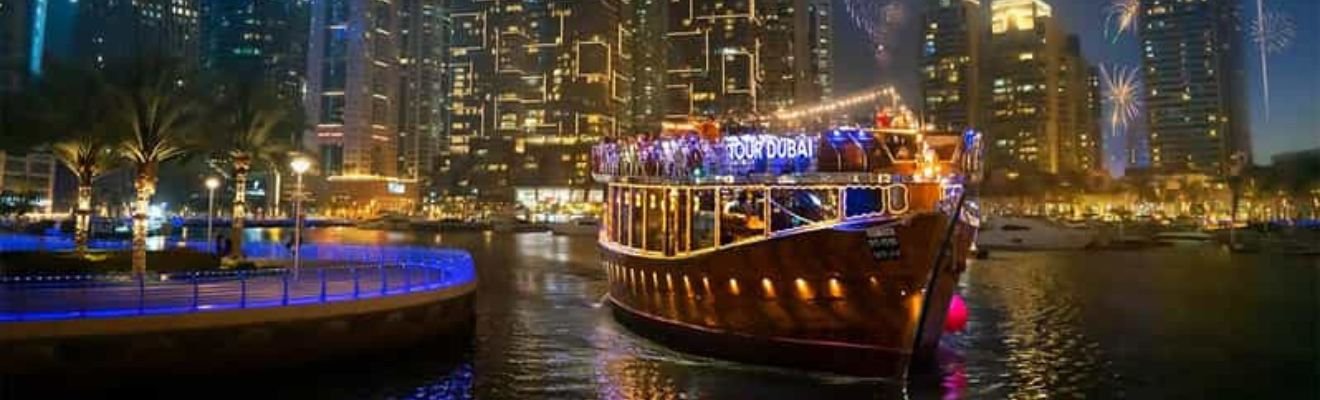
[(82, 216), (145, 186), (241, 168)]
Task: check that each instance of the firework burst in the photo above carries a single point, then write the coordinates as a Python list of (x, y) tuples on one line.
[(880, 20), (1122, 16), (1122, 93), (1274, 32)]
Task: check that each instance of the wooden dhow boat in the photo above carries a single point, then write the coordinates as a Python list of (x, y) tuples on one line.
[(835, 251)]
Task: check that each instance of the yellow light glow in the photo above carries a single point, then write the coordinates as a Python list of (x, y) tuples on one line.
[(768, 287), (733, 287), (804, 291), (836, 289)]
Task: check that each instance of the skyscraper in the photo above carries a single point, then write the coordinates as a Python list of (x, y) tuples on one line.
[(423, 97), (1192, 59), (740, 60), (22, 39), (29, 177), (952, 64), (112, 31), (1091, 140), (1040, 118), (352, 103), (534, 85), (649, 50), (1024, 125), (1077, 129), (258, 39)]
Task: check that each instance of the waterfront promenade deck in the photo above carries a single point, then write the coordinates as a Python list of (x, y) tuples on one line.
[(347, 299), (333, 273)]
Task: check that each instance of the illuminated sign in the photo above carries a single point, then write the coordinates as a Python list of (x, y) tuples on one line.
[(769, 147), (396, 188)]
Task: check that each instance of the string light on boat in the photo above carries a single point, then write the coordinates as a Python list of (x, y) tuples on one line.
[(841, 104)]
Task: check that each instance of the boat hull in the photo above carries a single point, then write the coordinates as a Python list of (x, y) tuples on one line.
[(815, 300)]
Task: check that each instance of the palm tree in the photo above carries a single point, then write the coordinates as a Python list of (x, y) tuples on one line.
[(87, 157), (157, 114), (72, 106), (249, 117)]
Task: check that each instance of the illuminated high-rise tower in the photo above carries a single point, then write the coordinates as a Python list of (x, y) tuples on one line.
[(1023, 125), (1194, 85), (535, 84), (742, 60), (352, 75), (258, 39), (952, 64), (21, 30), (113, 31), (423, 97), (352, 103)]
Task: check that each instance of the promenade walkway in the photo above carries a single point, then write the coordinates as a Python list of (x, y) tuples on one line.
[(333, 273)]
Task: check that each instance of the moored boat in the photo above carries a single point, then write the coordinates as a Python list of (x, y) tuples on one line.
[(837, 251), (1022, 233), (576, 227), (1183, 238)]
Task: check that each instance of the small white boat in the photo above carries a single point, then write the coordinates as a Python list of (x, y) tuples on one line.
[(1183, 238), (577, 227), (1018, 233)]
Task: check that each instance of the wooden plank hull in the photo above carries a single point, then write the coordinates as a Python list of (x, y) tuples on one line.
[(815, 300)]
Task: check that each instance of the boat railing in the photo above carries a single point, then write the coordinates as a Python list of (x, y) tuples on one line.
[(667, 221), (693, 158)]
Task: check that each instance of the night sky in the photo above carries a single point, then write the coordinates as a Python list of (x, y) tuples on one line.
[(1294, 121)]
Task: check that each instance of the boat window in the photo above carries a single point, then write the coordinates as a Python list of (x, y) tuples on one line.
[(656, 229), (862, 201), (1015, 228), (608, 214), (623, 218), (635, 215), (703, 219), (794, 208), (680, 217), (743, 215)]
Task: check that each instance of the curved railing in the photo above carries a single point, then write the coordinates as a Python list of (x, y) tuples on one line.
[(333, 273)]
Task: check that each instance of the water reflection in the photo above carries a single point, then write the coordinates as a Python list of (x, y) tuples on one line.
[(1168, 323)]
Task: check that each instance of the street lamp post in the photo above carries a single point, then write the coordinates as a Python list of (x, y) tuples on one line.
[(299, 165), (211, 184)]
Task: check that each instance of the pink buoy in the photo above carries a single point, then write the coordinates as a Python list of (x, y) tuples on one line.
[(956, 320)]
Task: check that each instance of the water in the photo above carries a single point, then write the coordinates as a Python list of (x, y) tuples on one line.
[(1169, 323)]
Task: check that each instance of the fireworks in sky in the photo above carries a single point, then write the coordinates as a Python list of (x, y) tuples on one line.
[(1273, 33), (880, 20), (1122, 93), (1122, 16)]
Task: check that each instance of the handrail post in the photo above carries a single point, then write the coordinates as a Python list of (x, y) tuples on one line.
[(195, 291), (242, 290), (356, 287), (407, 279), (142, 292), (321, 273), (284, 298), (82, 298), (384, 282)]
